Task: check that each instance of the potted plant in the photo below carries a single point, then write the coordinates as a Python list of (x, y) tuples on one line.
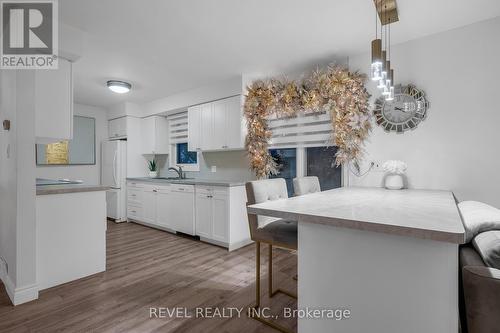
[(153, 171), (394, 172)]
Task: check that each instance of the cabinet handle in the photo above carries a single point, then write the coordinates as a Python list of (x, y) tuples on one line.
[(134, 195), (155, 191), (134, 211), (209, 196), (224, 146), (181, 189)]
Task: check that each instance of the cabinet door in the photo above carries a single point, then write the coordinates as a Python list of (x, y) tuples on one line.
[(149, 205), (207, 126), (203, 215), (234, 125), (219, 125), (220, 217), (117, 128), (194, 128), (54, 103), (148, 135), (163, 216)]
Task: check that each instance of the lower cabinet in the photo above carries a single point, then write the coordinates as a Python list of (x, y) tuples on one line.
[(216, 214), (212, 213)]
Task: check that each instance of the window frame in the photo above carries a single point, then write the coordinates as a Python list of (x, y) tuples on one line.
[(301, 161), (185, 167)]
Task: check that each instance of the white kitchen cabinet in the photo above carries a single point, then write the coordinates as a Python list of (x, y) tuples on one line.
[(207, 126), (216, 126), (149, 204), (194, 128), (154, 133), (212, 213), (117, 128), (203, 211), (163, 207), (220, 216), (54, 103), (217, 214)]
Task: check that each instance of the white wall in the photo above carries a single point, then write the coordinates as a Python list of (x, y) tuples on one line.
[(90, 174), (456, 147), (17, 185)]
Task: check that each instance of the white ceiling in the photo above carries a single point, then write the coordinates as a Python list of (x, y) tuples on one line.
[(163, 47)]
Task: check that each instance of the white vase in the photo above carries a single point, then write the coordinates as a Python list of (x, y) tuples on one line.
[(394, 181), (153, 174)]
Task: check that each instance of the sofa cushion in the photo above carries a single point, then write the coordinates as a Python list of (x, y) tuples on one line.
[(478, 217), (487, 244)]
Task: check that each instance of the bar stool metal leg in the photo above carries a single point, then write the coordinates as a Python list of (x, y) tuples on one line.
[(255, 314)]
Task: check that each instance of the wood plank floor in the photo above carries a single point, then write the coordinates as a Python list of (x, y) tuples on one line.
[(151, 268)]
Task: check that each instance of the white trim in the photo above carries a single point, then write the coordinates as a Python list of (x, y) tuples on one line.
[(19, 295)]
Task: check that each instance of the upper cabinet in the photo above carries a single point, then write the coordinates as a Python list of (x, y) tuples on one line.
[(54, 103), (117, 128), (154, 132), (216, 126)]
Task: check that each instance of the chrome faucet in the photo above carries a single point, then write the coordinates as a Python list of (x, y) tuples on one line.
[(179, 172)]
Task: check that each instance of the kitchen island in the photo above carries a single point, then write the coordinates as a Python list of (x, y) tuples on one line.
[(388, 257), (71, 232)]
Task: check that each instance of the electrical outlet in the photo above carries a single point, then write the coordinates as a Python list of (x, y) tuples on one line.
[(214, 168), (377, 166)]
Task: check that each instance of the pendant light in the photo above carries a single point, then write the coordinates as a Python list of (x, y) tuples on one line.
[(387, 85), (376, 67), (381, 71), (390, 82)]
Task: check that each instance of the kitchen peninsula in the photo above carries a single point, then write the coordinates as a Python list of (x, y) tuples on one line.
[(389, 257), (71, 231)]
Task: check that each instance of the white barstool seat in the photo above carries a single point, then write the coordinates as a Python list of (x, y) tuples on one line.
[(306, 185)]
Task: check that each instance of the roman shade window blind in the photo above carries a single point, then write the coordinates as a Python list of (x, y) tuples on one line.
[(304, 130), (178, 127)]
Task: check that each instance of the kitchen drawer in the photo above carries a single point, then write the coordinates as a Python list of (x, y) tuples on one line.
[(132, 183), (211, 190), (134, 194), (182, 188), (134, 212), (163, 188)]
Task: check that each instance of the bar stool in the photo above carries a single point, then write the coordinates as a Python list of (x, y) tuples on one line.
[(306, 185), (273, 231)]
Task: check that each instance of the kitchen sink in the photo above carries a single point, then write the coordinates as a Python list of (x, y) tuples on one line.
[(174, 178)]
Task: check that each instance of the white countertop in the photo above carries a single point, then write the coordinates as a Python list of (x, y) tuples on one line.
[(189, 181), (427, 214)]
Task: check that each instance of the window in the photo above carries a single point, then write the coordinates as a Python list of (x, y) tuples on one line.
[(320, 162), (287, 165), (184, 156), (180, 155)]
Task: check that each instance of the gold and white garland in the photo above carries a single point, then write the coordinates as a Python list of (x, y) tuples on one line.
[(334, 90)]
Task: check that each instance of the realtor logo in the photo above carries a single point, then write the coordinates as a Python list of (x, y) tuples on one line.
[(28, 34)]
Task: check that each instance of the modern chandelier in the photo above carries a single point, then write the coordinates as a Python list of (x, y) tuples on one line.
[(381, 71)]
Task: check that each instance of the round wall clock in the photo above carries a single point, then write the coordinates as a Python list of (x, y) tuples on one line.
[(405, 112)]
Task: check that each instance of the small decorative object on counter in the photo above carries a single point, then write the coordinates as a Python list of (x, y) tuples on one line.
[(395, 171), (153, 171)]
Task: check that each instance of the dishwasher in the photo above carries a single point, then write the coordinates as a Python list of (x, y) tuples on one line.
[(182, 208)]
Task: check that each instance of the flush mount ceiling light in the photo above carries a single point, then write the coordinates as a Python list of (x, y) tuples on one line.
[(119, 87)]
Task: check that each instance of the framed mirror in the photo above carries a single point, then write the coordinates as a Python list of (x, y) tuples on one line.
[(78, 151)]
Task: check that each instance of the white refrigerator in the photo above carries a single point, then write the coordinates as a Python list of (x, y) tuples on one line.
[(114, 174)]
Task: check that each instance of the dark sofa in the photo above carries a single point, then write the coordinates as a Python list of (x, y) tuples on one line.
[(479, 293)]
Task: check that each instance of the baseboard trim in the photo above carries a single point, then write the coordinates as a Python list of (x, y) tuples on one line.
[(19, 295), (240, 244)]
